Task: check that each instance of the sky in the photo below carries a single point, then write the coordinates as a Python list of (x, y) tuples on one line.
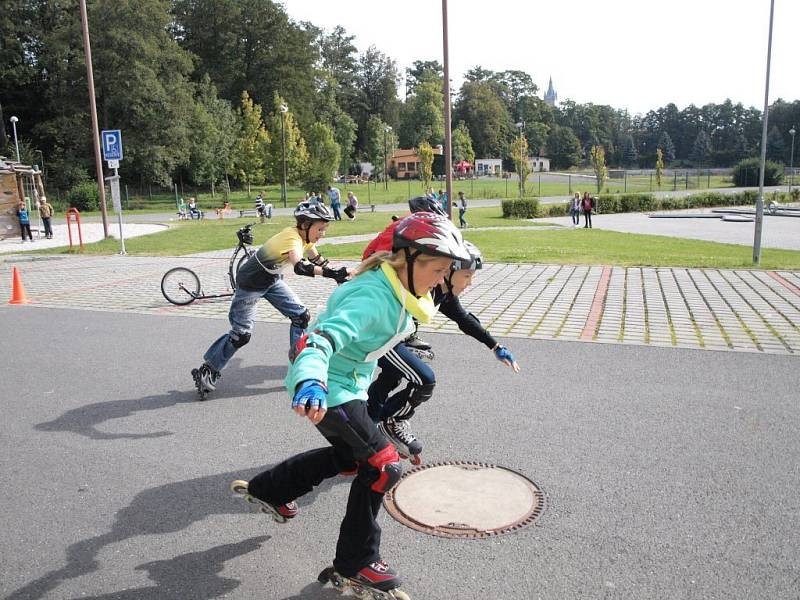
[(637, 55)]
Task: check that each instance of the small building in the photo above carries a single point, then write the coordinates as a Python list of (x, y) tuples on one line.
[(488, 167), (539, 163), (405, 161)]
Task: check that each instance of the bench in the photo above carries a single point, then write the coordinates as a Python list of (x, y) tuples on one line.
[(248, 212), (185, 216)]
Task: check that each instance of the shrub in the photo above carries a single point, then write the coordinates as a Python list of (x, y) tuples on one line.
[(84, 196), (747, 172), (527, 208)]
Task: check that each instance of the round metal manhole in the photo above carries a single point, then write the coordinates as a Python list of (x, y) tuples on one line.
[(464, 500)]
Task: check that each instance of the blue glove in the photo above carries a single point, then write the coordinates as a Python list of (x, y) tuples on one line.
[(502, 353), (311, 394)]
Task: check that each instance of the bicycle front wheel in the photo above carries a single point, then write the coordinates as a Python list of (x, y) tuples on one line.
[(180, 286)]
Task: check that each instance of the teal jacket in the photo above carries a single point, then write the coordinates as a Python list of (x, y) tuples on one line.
[(362, 321)]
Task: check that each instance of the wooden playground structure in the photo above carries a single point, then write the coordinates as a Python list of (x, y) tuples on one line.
[(18, 182)]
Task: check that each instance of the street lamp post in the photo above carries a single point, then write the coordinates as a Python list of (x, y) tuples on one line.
[(16, 142), (791, 161), (520, 169), (41, 161), (386, 131), (284, 109)]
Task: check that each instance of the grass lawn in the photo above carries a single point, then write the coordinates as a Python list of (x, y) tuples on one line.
[(595, 247), (189, 237), (534, 245)]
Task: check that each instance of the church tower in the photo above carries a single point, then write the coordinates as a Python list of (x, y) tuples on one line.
[(551, 97)]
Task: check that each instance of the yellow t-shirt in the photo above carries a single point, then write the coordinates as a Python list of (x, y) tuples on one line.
[(276, 249)]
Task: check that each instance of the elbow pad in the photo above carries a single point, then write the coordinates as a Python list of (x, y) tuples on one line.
[(305, 268), (339, 275)]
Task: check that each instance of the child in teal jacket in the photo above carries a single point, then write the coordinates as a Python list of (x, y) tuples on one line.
[(329, 373)]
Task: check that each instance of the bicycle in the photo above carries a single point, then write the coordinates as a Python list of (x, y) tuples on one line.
[(181, 285)]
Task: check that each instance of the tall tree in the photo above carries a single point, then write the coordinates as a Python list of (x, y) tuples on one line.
[(422, 116), (667, 147), (487, 118), (425, 163), (251, 45), (701, 149), (563, 147), (659, 166), (285, 134), (462, 144), (630, 157), (423, 70), (519, 154), (377, 85), (378, 140), (598, 160), (328, 111), (253, 144), (775, 145), (323, 157)]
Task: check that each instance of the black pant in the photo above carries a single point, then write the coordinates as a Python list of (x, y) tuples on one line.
[(588, 216), (25, 228), (397, 364), (354, 438), (48, 230)]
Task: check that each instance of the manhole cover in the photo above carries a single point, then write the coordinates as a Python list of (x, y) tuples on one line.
[(464, 500)]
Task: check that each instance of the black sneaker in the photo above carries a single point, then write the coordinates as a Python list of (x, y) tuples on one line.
[(398, 431)]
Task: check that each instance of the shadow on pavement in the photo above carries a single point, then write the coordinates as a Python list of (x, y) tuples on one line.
[(85, 419), (168, 509), (172, 580)]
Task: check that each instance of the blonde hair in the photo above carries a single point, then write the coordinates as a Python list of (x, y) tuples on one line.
[(396, 260)]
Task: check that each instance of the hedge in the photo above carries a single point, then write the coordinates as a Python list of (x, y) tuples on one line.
[(649, 203)]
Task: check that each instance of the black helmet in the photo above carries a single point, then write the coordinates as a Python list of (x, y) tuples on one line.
[(425, 204), (245, 234), (475, 261), (306, 211)]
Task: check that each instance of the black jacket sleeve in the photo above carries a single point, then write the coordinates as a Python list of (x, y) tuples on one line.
[(451, 308)]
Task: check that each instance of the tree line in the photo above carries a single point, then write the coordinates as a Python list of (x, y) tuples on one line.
[(206, 91)]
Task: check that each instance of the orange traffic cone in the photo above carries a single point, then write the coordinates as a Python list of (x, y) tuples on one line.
[(17, 289)]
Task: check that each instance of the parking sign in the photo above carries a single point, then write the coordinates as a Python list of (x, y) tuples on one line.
[(112, 144)]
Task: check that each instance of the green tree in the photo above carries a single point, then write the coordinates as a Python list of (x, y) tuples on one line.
[(630, 157), (667, 147), (659, 166), (344, 127), (701, 149), (775, 145), (425, 153), (251, 45), (462, 144), (376, 81), (323, 157), (563, 147), (519, 153), (252, 145), (375, 136), (295, 145), (423, 70), (214, 131), (422, 117), (598, 160), (487, 118)]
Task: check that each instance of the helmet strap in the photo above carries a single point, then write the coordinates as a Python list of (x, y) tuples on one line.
[(301, 226), (448, 282), (410, 258)]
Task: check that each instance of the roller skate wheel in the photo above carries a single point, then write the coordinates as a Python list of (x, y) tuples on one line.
[(239, 486), (416, 459), (399, 594)]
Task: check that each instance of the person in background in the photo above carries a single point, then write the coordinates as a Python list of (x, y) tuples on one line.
[(46, 213), (24, 221), (335, 197), (261, 209), (462, 210), (575, 209), (588, 204), (352, 206)]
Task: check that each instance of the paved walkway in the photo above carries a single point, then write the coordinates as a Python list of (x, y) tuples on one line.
[(740, 310)]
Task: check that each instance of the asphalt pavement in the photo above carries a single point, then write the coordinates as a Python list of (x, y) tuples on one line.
[(667, 472)]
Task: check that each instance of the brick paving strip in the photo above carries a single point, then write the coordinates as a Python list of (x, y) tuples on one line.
[(733, 310)]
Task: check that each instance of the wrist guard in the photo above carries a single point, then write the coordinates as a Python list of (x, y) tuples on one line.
[(319, 261), (305, 268), (339, 275)]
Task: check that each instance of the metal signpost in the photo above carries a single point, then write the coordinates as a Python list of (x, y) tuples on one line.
[(112, 153)]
